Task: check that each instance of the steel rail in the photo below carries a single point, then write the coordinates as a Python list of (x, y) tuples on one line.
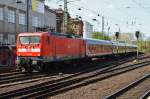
[(126, 88), (146, 95)]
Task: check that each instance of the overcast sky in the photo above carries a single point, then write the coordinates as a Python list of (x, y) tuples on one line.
[(128, 15)]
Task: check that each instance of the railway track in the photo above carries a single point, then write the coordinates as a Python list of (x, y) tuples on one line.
[(9, 74), (21, 77), (13, 78), (146, 95), (133, 90), (26, 81), (74, 81)]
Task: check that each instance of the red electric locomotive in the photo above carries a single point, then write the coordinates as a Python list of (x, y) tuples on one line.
[(36, 49)]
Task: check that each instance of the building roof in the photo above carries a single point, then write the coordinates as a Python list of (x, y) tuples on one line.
[(50, 10)]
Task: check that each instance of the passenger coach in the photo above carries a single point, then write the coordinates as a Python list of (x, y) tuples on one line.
[(98, 47)]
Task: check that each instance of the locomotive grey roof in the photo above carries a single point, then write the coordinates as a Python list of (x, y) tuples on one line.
[(94, 41)]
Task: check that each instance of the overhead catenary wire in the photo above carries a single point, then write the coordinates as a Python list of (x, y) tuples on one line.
[(112, 20), (89, 10), (141, 6), (94, 12)]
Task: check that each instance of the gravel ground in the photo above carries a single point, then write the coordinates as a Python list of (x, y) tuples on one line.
[(103, 88), (17, 87), (137, 91)]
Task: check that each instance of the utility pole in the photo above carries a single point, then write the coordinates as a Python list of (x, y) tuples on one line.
[(103, 23), (108, 31), (119, 30), (27, 15), (65, 23)]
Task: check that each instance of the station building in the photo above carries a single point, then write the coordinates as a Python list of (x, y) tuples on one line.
[(13, 18)]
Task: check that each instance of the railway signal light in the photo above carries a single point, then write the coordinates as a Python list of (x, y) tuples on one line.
[(117, 35), (79, 8), (137, 34)]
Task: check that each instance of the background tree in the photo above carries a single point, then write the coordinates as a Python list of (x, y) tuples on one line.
[(70, 28), (100, 35)]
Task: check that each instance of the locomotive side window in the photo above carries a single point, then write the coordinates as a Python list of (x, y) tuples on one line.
[(29, 39), (24, 40)]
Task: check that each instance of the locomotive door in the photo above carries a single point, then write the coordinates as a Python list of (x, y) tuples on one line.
[(82, 48), (60, 48), (48, 48)]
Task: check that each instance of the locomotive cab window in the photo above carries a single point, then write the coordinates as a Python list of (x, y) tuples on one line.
[(24, 40), (29, 39), (34, 40)]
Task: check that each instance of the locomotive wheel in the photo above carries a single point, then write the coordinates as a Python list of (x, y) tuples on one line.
[(22, 69), (26, 68), (29, 69), (40, 67)]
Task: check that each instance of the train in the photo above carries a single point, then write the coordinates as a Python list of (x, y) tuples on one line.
[(36, 50)]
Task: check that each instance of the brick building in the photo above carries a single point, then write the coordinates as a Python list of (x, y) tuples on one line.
[(60, 18), (74, 25)]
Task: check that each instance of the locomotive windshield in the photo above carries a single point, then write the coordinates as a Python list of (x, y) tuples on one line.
[(29, 39)]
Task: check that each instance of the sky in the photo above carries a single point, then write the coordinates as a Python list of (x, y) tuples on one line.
[(123, 15)]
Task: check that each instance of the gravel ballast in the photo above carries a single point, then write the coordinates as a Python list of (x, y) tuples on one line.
[(103, 88)]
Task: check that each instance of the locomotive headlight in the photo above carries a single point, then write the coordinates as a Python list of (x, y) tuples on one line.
[(34, 62)]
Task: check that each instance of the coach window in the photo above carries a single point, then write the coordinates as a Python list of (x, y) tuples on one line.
[(99, 47), (105, 48)]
